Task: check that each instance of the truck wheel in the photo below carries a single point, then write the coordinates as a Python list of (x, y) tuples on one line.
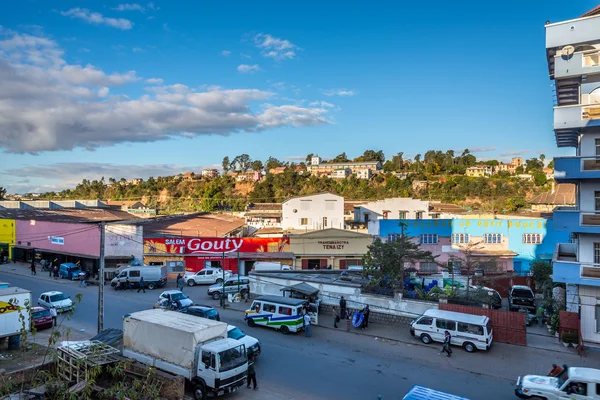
[(425, 338), (191, 282), (151, 286), (469, 347), (251, 323), (200, 392), (219, 281), (216, 296), (284, 329)]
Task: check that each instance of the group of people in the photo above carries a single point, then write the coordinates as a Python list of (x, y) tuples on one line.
[(128, 286), (344, 313)]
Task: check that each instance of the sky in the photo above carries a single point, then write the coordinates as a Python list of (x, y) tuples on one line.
[(115, 89)]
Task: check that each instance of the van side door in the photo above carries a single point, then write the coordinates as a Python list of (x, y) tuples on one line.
[(443, 325)]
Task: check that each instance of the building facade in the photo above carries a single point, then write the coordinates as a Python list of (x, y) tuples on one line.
[(263, 215), (8, 237), (210, 173), (479, 171), (329, 249), (511, 244), (317, 167), (573, 55), (319, 211)]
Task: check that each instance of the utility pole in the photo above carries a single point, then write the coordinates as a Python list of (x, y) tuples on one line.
[(223, 283), (101, 281)]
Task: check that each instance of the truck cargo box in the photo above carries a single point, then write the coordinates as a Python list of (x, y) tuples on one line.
[(13, 302), (169, 336)]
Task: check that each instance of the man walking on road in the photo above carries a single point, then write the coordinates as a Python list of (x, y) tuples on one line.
[(142, 285), (342, 306), (336, 317), (33, 271), (251, 373), (306, 325)]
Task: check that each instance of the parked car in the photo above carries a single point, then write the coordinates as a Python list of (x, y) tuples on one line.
[(202, 311), (572, 383), (207, 276), (41, 318), (55, 299), (65, 268), (252, 344), (230, 287), (479, 295), (521, 297), (153, 277), (170, 296)]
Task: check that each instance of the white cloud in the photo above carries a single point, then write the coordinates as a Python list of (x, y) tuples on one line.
[(152, 7), (137, 49), (166, 27), (245, 56), (276, 48), (480, 149), (321, 104), (47, 105), (513, 153), (248, 69), (225, 53), (84, 50), (129, 7), (97, 18), (155, 81), (338, 92)]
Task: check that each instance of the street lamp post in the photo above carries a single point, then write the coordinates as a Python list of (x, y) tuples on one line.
[(223, 282)]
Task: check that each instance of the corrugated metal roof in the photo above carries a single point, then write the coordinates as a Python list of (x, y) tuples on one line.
[(563, 194), (197, 225), (68, 215)]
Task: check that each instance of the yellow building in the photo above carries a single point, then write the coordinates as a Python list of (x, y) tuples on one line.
[(8, 236)]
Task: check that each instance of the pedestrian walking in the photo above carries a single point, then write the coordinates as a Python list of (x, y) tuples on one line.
[(83, 281), (33, 271), (50, 270), (446, 345), (251, 373), (347, 316), (336, 317), (540, 315), (306, 325), (365, 312), (247, 294), (128, 284), (55, 272), (142, 285), (53, 314), (342, 306), (180, 282)]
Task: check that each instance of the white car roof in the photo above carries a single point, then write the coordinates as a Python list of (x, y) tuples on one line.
[(456, 316), (51, 293), (171, 292), (584, 374)]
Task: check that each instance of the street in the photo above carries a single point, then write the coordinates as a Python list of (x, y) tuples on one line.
[(330, 365)]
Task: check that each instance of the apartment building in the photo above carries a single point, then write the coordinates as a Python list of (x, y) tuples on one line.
[(308, 213), (479, 171), (511, 168), (363, 170), (210, 173), (573, 55)]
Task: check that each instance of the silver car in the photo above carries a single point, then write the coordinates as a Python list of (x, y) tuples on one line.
[(230, 286)]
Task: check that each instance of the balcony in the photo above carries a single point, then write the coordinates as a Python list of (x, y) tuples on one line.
[(575, 169), (567, 269), (577, 116), (580, 63), (572, 219)]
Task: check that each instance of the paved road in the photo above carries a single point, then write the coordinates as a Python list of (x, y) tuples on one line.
[(330, 365)]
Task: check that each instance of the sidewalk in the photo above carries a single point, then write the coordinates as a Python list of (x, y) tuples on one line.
[(24, 269), (508, 361)]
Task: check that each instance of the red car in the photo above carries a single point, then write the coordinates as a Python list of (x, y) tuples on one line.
[(41, 318)]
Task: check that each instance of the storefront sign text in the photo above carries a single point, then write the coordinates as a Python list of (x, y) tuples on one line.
[(333, 244), (215, 245), (57, 240)]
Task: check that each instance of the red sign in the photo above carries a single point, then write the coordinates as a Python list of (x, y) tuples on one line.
[(206, 245)]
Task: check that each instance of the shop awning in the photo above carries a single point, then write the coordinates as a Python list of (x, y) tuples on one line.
[(63, 253), (301, 288)]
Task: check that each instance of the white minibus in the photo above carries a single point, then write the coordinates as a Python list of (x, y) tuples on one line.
[(472, 332)]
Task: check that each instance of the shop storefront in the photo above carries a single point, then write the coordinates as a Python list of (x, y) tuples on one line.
[(8, 237), (63, 242), (329, 249), (181, 254)]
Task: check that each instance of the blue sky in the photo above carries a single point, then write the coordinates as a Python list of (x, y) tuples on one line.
[(146, 89)]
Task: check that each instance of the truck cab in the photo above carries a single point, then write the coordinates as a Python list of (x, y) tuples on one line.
[(222, 368), (574, 383)]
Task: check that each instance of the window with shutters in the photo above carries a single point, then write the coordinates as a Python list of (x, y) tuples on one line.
[(428, 238), (402, 214), (428, 267), (532, 238), (392, 237), (460, 238), (492, 238), (303, 221)]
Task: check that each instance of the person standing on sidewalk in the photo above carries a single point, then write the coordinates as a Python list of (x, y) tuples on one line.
[(179, 282), (366, 311), (446, 346), (55, 272), (142, 285), (251, 373), (336, 317), (306, 325), (33, 271), (540, 315), (343, 307)]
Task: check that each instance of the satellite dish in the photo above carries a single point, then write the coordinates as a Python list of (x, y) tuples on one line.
[(568, 51), (295, 210)]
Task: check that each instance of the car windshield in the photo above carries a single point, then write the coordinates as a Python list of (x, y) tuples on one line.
[(58, 297), (178, 296), (235, 333), (522, 293), (232, 358), (41, 313)]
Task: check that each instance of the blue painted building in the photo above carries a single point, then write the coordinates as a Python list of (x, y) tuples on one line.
[(513, 243), (573, 55)]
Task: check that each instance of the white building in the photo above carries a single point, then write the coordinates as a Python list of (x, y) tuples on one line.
[(341, 173), (319, 211)]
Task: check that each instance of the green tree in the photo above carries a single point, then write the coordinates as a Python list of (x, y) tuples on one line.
[(2, 193), (540, 179), (272, 162), (551, 164), (309, 157), (340, 158), (225, 164), (533, 164), (469, 260), (387, 260), (542, 158), (256, 165), (242, 162), (541, 272), (514, 204), (372, 155)]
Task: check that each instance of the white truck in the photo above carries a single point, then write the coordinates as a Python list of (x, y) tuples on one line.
[(572, 383), (193, 347), (14, 301), (270, 266)]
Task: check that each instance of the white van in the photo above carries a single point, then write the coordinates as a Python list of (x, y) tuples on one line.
[(472, 332), (270, 266), (154, 277)]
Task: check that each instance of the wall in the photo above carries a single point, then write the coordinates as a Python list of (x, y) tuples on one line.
[(586, 195), (375, 208), (317, 209), (123, 240), (8, 234), (588, 296), (76, 239), (383, 308), (587, 145)]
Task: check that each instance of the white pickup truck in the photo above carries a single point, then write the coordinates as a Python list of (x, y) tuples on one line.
[(196, 348), (573, 383)]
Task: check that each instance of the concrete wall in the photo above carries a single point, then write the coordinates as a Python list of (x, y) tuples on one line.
[(314, 208), (60, 237), (588, 296), (384, 309), (124, 240)]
